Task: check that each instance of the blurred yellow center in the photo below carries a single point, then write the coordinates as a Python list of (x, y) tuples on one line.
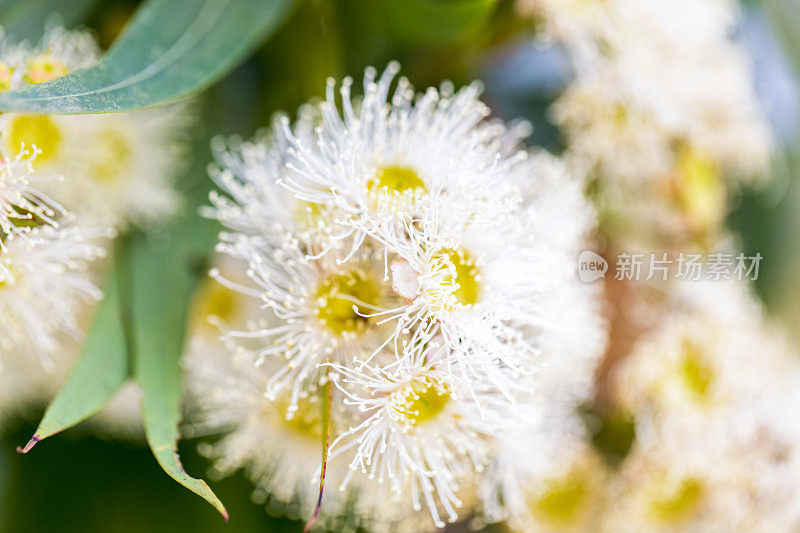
[(8, 277), (422, 400), (35, 130), (699, 189), (308, 214), (216, 300), (44, 68), (695, 374), (306, 421), (5, 77), (111, 155), (561, 501), (672, 504), (339, 296), (462, 274)]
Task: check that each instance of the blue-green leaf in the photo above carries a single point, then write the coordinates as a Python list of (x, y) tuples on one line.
[(98, 373), (171, 49), (25, 19), (164, 269)]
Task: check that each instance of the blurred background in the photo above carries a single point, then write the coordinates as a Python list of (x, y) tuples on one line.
[(79, 482)]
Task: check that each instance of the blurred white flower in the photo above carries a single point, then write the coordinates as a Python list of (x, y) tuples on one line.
[(119, 167), (662, 106), (43, 286), (713, 392), (22, 205)]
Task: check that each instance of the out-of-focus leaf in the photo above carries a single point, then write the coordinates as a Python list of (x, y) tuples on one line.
[(171, 49), (785, 17), (436, 22), (98, 373), (164, 269), (25, 19)]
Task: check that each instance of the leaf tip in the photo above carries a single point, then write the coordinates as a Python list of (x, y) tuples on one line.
[(31, 443)]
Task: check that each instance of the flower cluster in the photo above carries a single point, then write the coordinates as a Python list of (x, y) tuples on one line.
[(405, 255), (662, 104), (68, 184)]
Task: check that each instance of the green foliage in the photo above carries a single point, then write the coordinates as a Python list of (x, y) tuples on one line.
[(171, 49), (436, 22), (162, 285), (99, 372), (164, 269), (25, 19)]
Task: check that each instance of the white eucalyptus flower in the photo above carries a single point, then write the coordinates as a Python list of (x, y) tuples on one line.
[(713, 392), (416, 250), (44, 284), (119, 167), (422, 434), (663, 108), (22, 205)]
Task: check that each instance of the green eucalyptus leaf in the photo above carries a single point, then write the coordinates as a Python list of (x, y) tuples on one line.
[(25, 19), (164, 270), (98, 373), (436, 22), (171, 49)]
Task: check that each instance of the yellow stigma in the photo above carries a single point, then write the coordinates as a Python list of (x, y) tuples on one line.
[(337, 296), (563, 498), (111, 155), (44, 68), (397, 179), (695, 374), (308, 214), (35, 130), (462, 277), (305, 422), (396, 187), (5, 77), (422, 400), (673, 503), (217, 300), (8, 277), (699, 190)]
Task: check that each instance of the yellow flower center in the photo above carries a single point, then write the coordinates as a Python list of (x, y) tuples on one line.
[(340, 301), (111, 155), (695, 374), (673, 503), (396, 187), (305, 422), (35, 130), (5, 77), (562, 499), (699, 189), (397, 180), (216, 300), (8, 277), (422, 400), (44, 68), (462, 276), (308, 214)]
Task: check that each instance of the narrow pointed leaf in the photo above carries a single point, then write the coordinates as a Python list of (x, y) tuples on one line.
[(164, 269), (171, 49), (26, 19), (98, 373)]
